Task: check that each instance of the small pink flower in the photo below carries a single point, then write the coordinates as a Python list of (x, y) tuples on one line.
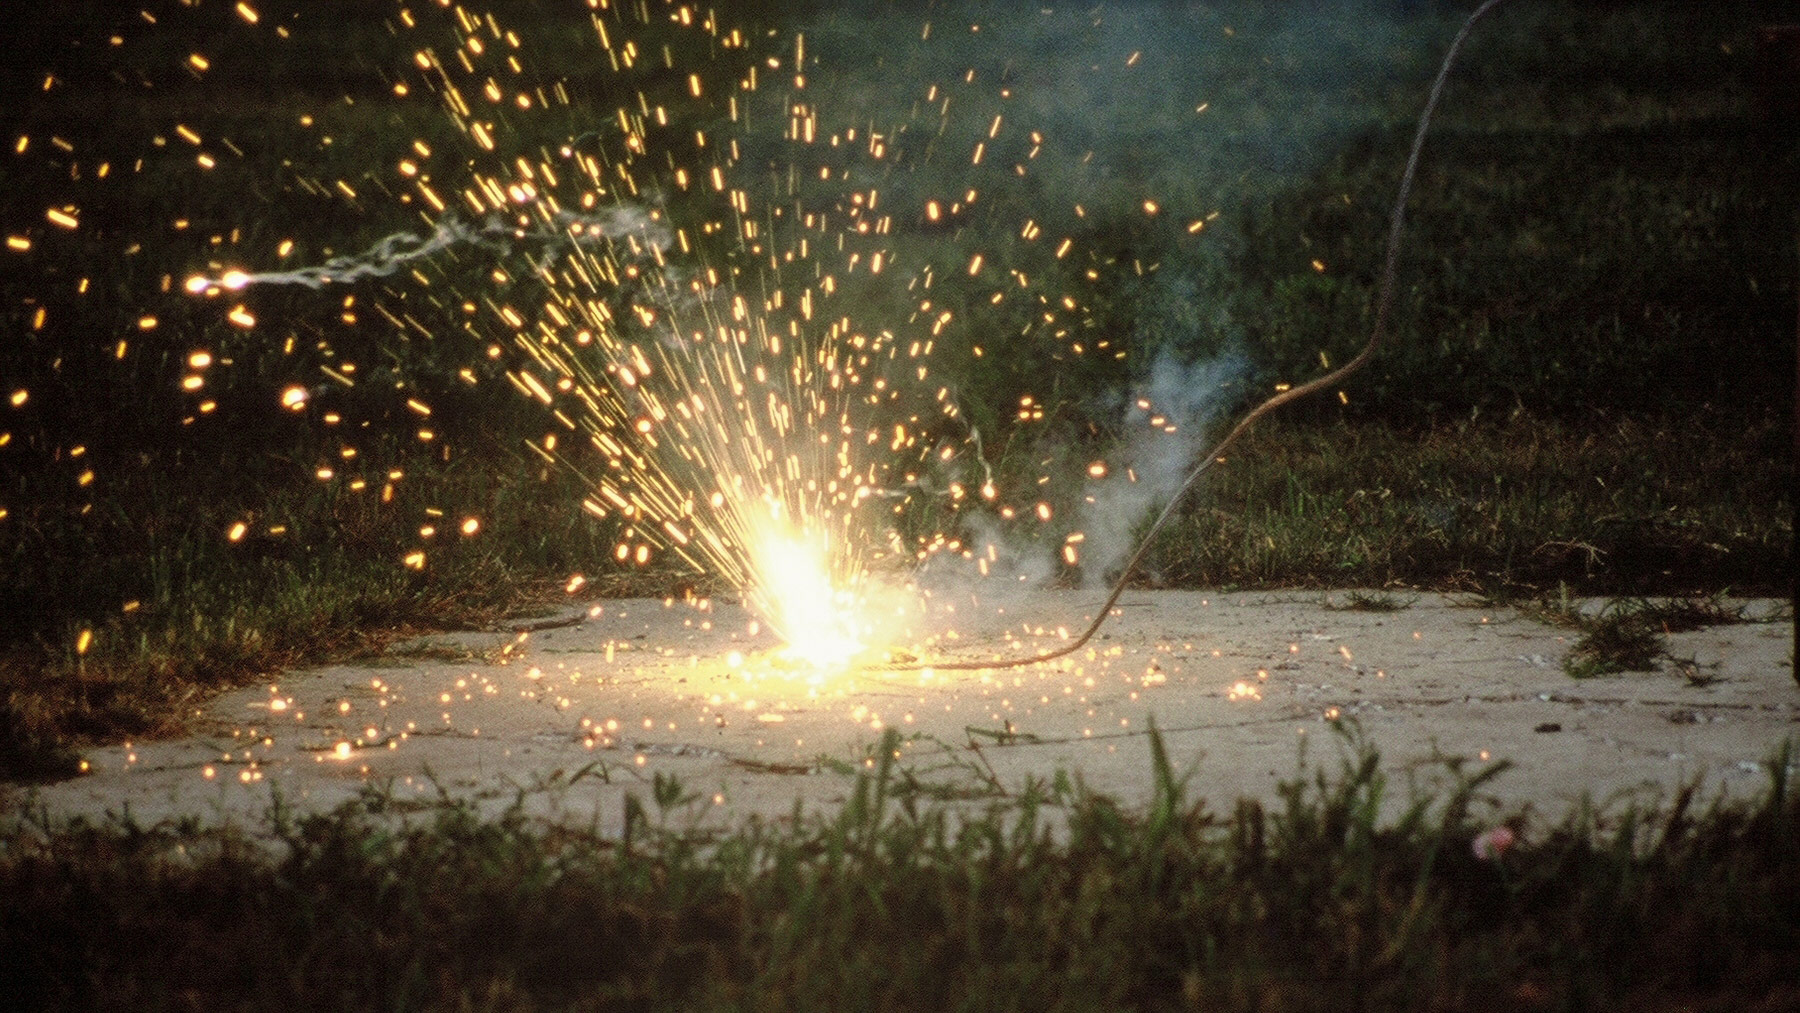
[(1489, 845)]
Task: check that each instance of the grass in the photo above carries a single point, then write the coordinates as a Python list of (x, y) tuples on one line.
[(1628, 634), (1370, 601), (1609, 506), (1049, 897), (1619, 640)]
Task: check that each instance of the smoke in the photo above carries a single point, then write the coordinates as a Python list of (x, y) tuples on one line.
[(1195, 101), (633, 229), (1168, 425), (1167, 422), (981, 591), (1078, 118)]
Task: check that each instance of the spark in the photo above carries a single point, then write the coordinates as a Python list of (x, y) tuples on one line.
[(722, 414), (728, 413)]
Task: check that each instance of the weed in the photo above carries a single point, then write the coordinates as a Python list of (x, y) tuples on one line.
[(1617, 640), (1561, 609), (1628, 634), (1370, 601), (1679, 615)]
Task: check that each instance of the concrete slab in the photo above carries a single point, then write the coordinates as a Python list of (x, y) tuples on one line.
[(571, 719)]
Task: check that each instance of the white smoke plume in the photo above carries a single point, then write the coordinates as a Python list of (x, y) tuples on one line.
[(1169, 425), (621, 225)]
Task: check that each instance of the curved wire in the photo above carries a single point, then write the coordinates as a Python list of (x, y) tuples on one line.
[(1383, 303)]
